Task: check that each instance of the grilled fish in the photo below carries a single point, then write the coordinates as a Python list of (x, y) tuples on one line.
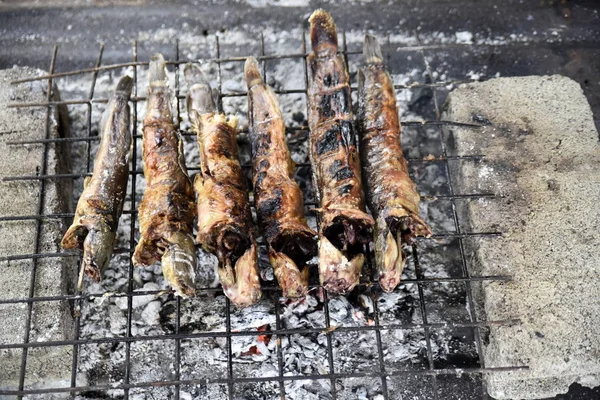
[(101, 203), (391, 194), (277, 197), (166, 213), (225, 225), (345, 227)]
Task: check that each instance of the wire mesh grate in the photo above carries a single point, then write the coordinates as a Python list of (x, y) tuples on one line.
[(368, 288)]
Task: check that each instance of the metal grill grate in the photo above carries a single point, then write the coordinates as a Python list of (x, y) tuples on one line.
[(368, 285)]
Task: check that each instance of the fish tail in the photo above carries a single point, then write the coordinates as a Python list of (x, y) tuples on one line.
[(200, 96), (124, 86), (252, 72), (157, 72), (159, 98), (361, 83), (323, 33), (372, 50)]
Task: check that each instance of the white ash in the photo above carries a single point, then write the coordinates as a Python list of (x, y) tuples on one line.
[(104, 315)]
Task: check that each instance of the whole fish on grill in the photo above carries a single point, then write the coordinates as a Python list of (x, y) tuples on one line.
[(391, 194), (277, 197), (225, 226), (345, 227), (101, 203), (166, 213)]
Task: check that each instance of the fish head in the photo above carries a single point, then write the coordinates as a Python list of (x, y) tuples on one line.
[(179, 264), (389, 257), (97, 250), (241, 283), (293, 282), (338, 272)]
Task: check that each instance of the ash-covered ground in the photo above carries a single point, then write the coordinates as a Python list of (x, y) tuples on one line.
[(104, 314)]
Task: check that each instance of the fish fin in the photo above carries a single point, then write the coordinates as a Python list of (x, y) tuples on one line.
[(74, 236), (361, 80), (372, 50), (323, 33), (157, 72), (98, 202), (86, 181), (181, 156), (252, 72)]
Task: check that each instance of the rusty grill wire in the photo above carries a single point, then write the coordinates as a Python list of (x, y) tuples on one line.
[(230, 379)]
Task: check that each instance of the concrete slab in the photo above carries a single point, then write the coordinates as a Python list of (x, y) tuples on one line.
[(50, 320), (543, 162)]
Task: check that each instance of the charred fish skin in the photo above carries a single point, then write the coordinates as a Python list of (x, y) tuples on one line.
[(101, 203), (225, 226), (391, 194), (277, 197), (166, 213), (345, 226)]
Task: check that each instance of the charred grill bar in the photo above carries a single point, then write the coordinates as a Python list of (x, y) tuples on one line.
[(230, 379)]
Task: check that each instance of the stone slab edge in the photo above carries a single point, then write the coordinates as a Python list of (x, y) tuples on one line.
[(542, 160), (46, 366)]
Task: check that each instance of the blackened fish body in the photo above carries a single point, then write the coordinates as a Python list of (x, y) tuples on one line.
[(345, 227), (225, 226), (277, 197), (166, 213), (101, 203), (392, 195)]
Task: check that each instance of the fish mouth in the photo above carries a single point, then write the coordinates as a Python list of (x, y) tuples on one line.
[(348, 234), (341, 252), (231, 245), (299, 246)]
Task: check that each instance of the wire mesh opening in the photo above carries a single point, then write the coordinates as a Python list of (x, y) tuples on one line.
[(420, 340)]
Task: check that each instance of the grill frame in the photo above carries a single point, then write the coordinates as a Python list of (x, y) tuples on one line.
[(231, 380)]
